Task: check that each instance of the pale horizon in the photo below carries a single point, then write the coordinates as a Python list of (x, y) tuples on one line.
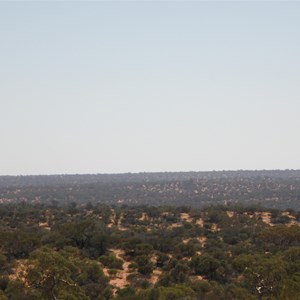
[(150, 172), (129, 87)]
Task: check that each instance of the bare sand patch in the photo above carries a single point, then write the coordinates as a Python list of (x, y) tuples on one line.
[(20, 270), (155, 276), (266, 218), (119, 225), (230, 214), (176, 225), (202, 240), (143, 217), (214, 228), (200, 222), (112, 218), (185, 241), (44, 225), (186, 217), (120, 279)]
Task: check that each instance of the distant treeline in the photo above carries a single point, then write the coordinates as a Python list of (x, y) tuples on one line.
[(274, 188)]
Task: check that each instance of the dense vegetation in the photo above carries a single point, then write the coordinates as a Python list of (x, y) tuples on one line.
[(273, 189), (96, 251)]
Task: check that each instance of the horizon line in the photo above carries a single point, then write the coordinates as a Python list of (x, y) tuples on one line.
[(148, 172)]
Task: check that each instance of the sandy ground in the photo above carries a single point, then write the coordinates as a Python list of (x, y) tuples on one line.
[(120, 280), (230, 214), (200, 222), (20, 270), (113, 221), (143, 217), (265, 216), (112, 218), (214, 228), (176, 225), (44, 225), (292, 219), (186, 217), (155, 276), (201, 239)]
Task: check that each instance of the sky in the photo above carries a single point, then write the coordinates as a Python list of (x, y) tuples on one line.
[(114, 87)]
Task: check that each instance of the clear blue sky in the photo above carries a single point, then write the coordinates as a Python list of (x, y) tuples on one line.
[(106, 87)]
